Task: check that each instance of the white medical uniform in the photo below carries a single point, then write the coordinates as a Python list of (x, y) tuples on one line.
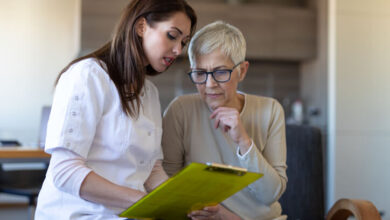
[(87, 120)]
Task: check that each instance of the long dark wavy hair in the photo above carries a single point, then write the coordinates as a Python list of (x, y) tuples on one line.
[(124, 55)]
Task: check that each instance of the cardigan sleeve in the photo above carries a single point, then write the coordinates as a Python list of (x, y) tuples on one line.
[(271, 161), (172, 138)]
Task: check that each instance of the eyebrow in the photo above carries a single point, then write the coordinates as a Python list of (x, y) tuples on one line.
[(181, 32)]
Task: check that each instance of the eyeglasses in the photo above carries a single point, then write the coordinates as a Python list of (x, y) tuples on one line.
[(221, 75)]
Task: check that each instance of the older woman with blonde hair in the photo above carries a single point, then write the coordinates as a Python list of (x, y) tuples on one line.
[(220, 124)]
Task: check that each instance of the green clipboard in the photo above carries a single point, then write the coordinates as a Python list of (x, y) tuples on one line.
[(196, 186)]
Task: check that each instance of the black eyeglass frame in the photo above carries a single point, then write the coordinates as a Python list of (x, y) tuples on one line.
[(212, 74)]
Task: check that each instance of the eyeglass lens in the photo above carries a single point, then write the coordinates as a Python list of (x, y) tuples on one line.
[(218, 75)]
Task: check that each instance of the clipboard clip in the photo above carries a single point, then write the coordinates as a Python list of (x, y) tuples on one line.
[(217, 167)]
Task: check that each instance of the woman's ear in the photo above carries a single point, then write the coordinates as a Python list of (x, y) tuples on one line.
[(243, 70), (140, 27)]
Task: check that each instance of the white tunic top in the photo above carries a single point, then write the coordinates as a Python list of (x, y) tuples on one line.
[(87, 119)]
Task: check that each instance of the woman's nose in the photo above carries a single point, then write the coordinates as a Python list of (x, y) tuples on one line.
[(177, 49), (210, 82)]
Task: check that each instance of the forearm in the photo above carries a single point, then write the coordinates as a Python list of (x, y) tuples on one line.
[(99, 190), (228, 215), (245, 143), (70, 174), (172, 167), (214, 212), (156, 177), (272, 185)]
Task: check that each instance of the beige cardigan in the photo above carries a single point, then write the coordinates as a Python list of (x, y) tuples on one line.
[(189, 136)]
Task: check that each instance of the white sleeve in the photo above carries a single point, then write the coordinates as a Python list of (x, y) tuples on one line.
[(77, 108), (68, 170)]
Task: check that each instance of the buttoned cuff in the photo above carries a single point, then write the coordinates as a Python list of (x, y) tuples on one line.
[(242, 157)]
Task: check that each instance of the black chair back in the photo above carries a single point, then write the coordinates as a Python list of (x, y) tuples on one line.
[(304, 196)]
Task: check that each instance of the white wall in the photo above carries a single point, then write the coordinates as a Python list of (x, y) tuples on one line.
[(359, 100), (38, 38)]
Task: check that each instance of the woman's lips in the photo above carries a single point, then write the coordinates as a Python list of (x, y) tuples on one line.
[(168, 60), (213, 95)]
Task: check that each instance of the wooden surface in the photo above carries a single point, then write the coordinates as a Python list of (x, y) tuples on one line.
[(22, 153), (271, 32), (360, 209)]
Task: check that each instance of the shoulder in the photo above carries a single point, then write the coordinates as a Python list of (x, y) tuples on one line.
[(86, 72), (268, 112), (150, 87), (265, 106), (185, 104), (85, 68), (189, 98), (189, 101), (262, 101)]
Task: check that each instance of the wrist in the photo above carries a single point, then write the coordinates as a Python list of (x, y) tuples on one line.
[(135, 195), (228, 215), (245, 144)]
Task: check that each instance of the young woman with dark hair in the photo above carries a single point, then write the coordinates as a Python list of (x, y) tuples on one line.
[(104, 131)]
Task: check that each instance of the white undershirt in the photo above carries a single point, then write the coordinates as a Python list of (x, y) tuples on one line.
[(68, 170)]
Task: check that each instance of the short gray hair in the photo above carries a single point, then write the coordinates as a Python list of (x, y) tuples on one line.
[(218, 35)]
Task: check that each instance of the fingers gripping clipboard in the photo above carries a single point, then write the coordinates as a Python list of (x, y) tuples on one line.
[(194, 187)]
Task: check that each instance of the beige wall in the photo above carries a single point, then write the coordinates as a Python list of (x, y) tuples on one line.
[(38, 37), (359, 100)]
